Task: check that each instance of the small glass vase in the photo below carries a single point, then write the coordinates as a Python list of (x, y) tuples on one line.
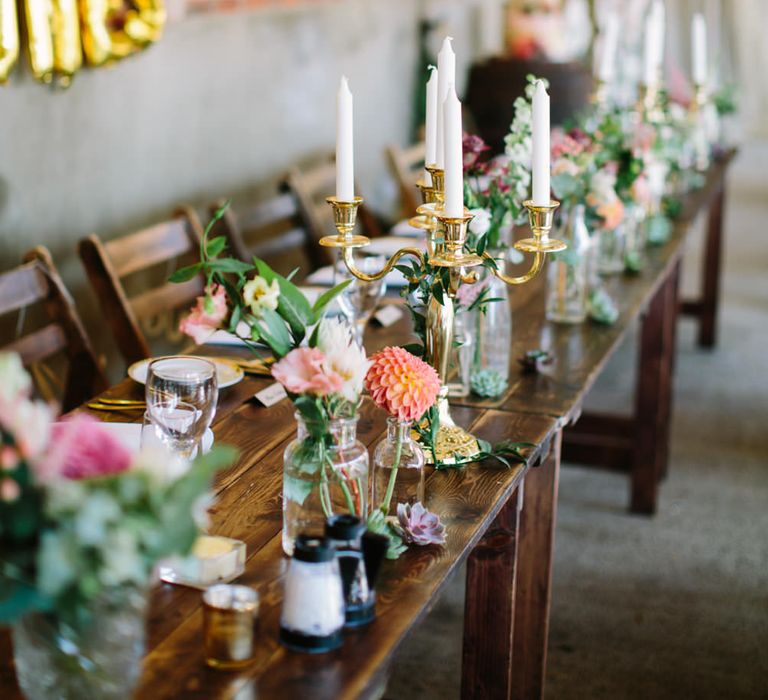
[(611, 245), (398, 451), (570, 271), (492, 336), (460, 353), (98, 658), (637, 241), (322, 478)]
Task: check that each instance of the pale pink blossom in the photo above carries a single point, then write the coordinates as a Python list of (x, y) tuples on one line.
[(9, 458), (200, 324), (303, 371), (643, 138), (82, 448), (565, 166), (9, 490), (468, 293), (641, 191)]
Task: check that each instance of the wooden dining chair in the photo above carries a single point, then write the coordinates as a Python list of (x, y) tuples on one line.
[(129, 275), (37, 282), (407, 165), (311, 186), (271, 229)]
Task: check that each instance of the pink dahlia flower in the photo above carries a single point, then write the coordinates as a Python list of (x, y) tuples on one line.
[(81, 448), (418, 526), (207, 315), (402, 384), (302, 371)]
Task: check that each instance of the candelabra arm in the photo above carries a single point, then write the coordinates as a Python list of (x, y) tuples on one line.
[(538, 263), (349, 260)]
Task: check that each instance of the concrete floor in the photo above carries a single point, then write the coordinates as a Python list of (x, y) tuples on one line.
[(674, 606)]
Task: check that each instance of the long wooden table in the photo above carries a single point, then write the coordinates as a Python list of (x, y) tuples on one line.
[(500, 521)]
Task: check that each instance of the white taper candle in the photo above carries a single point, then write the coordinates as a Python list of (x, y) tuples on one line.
[(430, 129), (345, 158), (446, 76), (540, 160), (454, 156), (610, 38), (699, 49)]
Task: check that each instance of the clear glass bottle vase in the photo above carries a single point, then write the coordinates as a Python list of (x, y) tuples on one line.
[(637, 241), (611, 246), (398, 466), (99, 657), (460, 352), (493, 336), (570, 272), (322, 478)]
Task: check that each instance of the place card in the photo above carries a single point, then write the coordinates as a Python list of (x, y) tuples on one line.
[(387, 315), (273, 394)]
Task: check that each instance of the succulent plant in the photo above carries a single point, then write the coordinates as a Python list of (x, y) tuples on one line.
[(488, 383)]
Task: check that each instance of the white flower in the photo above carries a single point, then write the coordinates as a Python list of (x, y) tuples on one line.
[(481, 222), (343, 356), (55, 566), (162, 466), (259, 295), (29, 422), (122, 562), (14, 380), (97, 513)]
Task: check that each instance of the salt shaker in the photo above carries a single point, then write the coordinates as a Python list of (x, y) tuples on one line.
[(313, 602), (359, 555)]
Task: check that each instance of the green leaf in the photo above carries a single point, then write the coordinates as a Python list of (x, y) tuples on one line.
[(274, 333), (215, 246), (228, 265), (326, 298), (377, 523), (184, 274), (297, 490)]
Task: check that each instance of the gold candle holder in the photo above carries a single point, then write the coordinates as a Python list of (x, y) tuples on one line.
[(698, 118), (344, 219), (428, 196), (649, 102), (229, 614), (599, 96)]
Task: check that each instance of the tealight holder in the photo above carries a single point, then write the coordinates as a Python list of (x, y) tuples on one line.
[(229, 614)]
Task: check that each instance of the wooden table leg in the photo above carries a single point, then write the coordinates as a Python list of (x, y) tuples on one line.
[(653, 397), (534, 576), (489, 607), (710, 296)]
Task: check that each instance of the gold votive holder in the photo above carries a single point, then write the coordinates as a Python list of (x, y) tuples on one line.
[(229, 618)]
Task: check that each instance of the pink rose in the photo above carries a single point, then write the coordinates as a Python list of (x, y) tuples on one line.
[(200, 324), (641, 191), (80, 449), (612, 213), (301, 372)]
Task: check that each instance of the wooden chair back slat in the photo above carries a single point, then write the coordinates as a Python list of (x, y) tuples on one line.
[(39, 345), (109, 264), (272, 230), (406, 165), (153, 245), (169, 296), (37, 282), (21, 287), (311, 187)]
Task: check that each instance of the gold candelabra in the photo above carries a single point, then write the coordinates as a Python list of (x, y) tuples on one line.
[(446, 238)]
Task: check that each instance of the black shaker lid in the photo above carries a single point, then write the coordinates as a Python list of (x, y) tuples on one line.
[(313, 549), (344, 527)]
